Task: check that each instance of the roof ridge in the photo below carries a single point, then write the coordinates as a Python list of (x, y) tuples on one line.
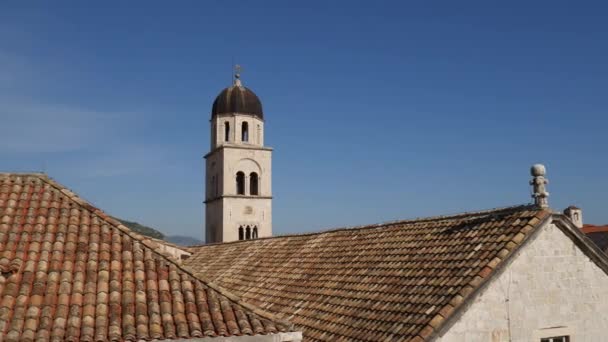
[(140, 238), (506, 209), (24, 174)]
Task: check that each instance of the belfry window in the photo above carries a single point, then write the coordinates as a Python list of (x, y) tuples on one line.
[(244, 131), (248, 233), (556, 339), (240, 183), (226, 131), (253, 184)]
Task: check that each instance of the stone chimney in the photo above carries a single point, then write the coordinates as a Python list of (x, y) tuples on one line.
[(539, 185), (575, 215)]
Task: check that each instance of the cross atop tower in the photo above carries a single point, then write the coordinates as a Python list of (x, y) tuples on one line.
[(237, 75)]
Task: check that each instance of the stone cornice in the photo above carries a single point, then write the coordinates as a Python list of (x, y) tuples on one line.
[(237, 196), (234, 115), (239, 147)]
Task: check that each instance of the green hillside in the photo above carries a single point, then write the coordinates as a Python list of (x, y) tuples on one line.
[(141, 229), (154, 233)]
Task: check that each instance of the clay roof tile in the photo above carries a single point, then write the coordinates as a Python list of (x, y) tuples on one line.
[(70, 272), (394, 281)]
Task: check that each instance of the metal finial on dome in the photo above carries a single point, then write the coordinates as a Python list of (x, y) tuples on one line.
[(539, 185), (237, 98), (237, 75)]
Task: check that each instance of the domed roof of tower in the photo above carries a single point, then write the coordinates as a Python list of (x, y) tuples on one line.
[(237, 99)]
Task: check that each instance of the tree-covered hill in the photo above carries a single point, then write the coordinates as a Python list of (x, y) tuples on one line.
[(141, 229), (154, 233)]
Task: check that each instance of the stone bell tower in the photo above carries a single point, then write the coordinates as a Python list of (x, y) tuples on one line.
[(238, 200)]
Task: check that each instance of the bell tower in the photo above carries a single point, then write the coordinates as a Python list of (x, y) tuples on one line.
[(238, 197)]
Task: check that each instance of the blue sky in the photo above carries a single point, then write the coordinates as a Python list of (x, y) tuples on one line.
[(377, 110)]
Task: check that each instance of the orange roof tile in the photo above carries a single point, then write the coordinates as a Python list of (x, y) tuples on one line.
[(590, 228), (597, 234), (388, 282), (70, 272)]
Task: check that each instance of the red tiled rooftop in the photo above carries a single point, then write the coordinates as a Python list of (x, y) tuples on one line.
[(590, 228), (597, 234), (70, 272)]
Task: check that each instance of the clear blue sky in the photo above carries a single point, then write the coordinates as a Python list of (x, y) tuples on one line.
[(377, 110)]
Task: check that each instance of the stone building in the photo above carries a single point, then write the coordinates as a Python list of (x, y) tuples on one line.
[(70, 272), (238, 196), (522, 273)]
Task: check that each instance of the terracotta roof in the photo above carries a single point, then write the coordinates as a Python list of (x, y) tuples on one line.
[(387, 282), (70, 272), (591, 228), (597, 234)]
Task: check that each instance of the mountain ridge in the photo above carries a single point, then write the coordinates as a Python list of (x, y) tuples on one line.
[(181, 240)]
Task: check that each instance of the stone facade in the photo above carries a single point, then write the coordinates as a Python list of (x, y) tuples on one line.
[(177, 253), (233, 151), (549, 288)]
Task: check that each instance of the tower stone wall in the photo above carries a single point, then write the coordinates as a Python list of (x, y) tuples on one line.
[(238, 185)]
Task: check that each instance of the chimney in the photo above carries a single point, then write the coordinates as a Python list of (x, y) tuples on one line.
[(539, 185), (575, 215)]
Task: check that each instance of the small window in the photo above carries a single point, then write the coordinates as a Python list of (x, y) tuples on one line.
[(240, 183), (226, 131), (253, 184), (556, 339), (245, 131), (241, 235), (248, 233)]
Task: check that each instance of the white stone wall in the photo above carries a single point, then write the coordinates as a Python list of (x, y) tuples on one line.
[(213, 221), (169, 249), (214, 175), (552, 288), (246, 212)]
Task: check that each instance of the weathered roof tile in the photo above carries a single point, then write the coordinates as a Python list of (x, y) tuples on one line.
[(394, 281), (70, 272)]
